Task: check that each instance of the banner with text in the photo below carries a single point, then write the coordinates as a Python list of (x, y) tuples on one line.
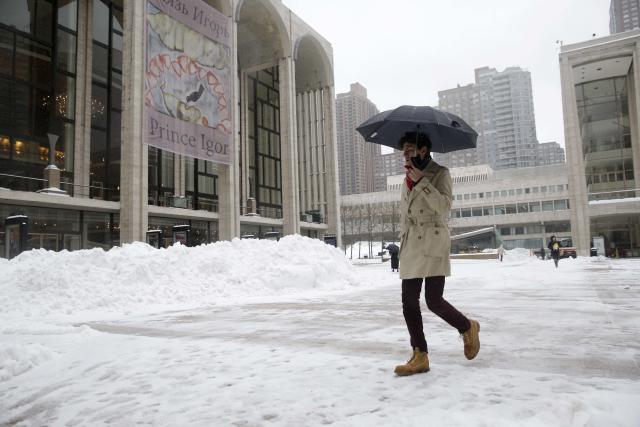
[(188, 80)]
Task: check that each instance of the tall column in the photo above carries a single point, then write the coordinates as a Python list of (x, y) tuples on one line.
[(134, 158), (322, 151), (308, 169), (634, 118), (301, 138), (289, 157), (311, 152), (229, 175), (178, 176), (580, 222), (331, 143), (82, 147)]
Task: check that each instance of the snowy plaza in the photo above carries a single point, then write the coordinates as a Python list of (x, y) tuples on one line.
[(291, 333)]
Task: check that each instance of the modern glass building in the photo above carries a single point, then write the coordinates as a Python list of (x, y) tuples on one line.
[(600, 91), (76, 69)]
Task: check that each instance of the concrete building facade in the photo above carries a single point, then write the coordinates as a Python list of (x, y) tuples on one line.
[(601, 101), (624, 15), (525, 206), (499, 106), (356, 158), (82, 79), (520, 207)]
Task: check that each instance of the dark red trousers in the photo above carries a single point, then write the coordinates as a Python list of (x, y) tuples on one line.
[(434, 287)]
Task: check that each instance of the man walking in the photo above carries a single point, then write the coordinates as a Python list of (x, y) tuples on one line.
[(554, 246), (424, 251)]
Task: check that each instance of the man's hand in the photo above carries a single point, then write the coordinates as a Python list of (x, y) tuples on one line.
[(412, 172)]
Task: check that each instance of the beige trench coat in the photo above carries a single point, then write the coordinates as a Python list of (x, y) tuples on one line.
[(425, 243)]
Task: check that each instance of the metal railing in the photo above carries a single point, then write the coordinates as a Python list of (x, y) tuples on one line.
[(42, 183), (266, 212)]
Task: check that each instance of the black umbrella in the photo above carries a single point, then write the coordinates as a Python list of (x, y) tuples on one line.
[(446, 131), (392, 248)]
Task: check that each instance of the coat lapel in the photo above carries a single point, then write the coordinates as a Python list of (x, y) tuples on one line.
[(430, 173)]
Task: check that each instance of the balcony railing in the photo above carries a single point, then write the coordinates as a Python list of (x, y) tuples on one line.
[(265, 212), (614, 195), (27, 183)]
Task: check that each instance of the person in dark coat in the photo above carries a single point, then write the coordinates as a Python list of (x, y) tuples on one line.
[(554, 246), (543, 254), (393, 251)]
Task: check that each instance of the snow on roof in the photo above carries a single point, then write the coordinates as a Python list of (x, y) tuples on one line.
[(615, 201), (473, 233)]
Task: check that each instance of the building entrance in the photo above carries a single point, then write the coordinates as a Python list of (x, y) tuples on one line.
[(621, 235)]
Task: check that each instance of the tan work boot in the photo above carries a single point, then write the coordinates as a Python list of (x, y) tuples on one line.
[(472, 340), (418, 363)]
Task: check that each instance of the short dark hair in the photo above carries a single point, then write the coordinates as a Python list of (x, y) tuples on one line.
[(420, 139)]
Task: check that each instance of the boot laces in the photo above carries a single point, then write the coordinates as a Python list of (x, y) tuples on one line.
[(466, 338)]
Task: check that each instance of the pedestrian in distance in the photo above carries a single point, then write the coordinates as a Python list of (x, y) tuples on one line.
[(543, 254), (500, 252), (554, 246), (393, 250), (424, 251)]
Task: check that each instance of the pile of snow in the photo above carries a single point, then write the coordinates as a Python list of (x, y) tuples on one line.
[(517, 254), (137, 277)]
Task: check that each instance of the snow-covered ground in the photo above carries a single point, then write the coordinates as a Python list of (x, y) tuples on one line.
[(290, 333)]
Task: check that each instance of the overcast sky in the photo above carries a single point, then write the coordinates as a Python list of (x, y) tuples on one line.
[(405, 51)]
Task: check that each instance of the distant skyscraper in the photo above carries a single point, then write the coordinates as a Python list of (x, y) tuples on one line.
[(550, 153), (499, 106), (624, 15), (386, 165), (355, 156)]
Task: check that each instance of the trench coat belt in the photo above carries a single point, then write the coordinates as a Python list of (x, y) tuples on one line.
[(410, 220)]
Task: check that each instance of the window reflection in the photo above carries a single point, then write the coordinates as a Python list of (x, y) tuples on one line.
[(201, 179), (161, 177), (33, 17), (603, 110), (37, 89), (106, 99), (264, 142)]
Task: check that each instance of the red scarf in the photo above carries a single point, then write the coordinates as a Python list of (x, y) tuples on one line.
[(409, 183)]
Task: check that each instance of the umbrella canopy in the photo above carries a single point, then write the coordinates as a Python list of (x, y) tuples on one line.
[(446, 131), (393, 248)]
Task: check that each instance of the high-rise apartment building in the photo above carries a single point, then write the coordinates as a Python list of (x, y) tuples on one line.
[(550, 153), (355, 156), (624, 15), (499, 106), (467, 102), (386, 165)]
